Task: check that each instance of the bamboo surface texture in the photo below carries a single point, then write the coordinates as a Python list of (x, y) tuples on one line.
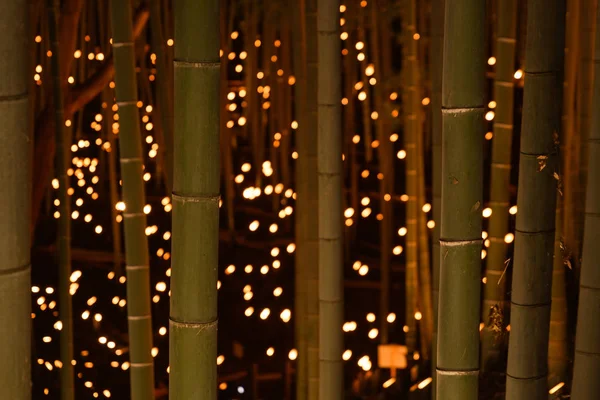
[(67, 378), (15, 213), (495, 288), (462, 191), (527, 369), (586, 384), (193, 318), (436, 57), (137, 265), (331, 294), (307, 168)]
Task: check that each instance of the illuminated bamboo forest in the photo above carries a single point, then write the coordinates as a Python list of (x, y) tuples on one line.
[(300, 199)]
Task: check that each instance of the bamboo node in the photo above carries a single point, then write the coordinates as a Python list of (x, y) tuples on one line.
[(126, 103), (15, 271), (196, 198), (196, 64), (136, 267), (460, 243), (457, 373), (122, 44), (195, 325), (138, 317), (14, 97)]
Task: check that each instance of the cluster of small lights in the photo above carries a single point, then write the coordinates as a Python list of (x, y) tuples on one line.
[(84, 184)]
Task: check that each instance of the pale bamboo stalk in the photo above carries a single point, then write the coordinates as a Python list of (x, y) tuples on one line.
[(67, 378), (494, 293), (331, 275), (136, 243)]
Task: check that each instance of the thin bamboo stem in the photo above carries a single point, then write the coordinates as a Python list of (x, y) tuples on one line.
[(527, 369), (302, 251), (67, 378), (331, 276), (494, 293), (463, 97), (136, 243), (193, 317), (313, 243), (163, 82)]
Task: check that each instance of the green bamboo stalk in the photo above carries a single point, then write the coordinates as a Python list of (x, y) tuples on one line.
[(331, 275), (67, 378), (366, 104), (136, 243), (424, 269), (586, 384), (15, 209), (436, 58), (495, 289), (527, 369), (193, 318), (411, 128), (313, 243), (163, 82), (302, 251), (462, 191)]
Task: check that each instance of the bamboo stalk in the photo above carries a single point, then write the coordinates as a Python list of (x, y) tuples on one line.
[(586, 384), (494, 292), (67, 378), (193, 317), (411, 130), (301, 179), (463, 96), (436, 59), (331, 276), (15, 213), (425, 296), (136, 244), (314, 311), (163, 81), (527, 369)]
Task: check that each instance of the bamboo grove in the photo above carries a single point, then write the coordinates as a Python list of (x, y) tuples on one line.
[(308, 199)]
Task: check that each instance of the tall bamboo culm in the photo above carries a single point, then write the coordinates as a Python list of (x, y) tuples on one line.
[(67, 384), (586, 384), (411, 127), (463, 96), (331, 293), (436, 56), (307, 175), (137, 266), (193, 318), (494, 291), (527, 369), (300, 108), (15, 212)]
